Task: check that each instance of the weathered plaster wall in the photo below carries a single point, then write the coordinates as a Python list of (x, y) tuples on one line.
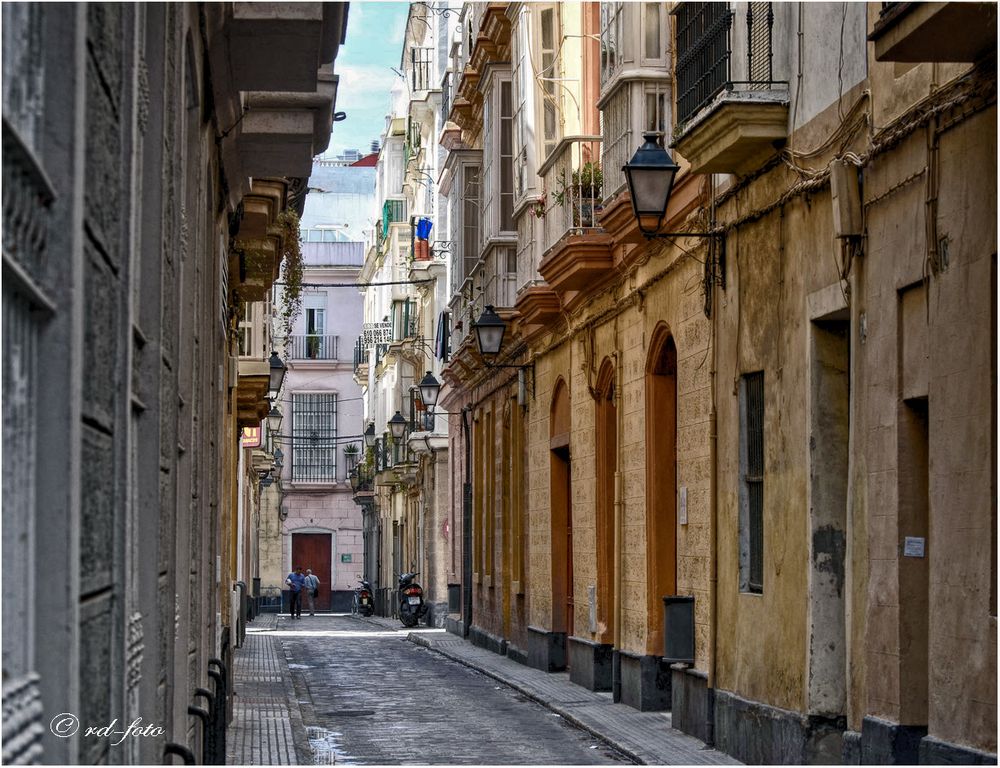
[(773, 265), (956, 375)]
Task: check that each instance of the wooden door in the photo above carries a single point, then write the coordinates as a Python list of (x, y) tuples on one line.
[(313, 551)]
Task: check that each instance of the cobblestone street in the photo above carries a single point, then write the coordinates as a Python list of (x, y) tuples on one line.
[(365, 695)]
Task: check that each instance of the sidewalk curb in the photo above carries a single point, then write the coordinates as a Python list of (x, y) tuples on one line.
[(561, 711)]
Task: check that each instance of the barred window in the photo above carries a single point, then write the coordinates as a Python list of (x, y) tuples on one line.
[(752, 482), (314, 434)]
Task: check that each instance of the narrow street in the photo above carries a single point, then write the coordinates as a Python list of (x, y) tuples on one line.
[(365, 695)]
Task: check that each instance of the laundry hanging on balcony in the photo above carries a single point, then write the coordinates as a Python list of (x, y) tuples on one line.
[(424, 226)]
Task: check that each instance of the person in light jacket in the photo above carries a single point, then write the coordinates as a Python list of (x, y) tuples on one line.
[(312, 590)]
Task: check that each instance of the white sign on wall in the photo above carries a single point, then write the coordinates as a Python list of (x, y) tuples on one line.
[(376, 333), (682, 507)]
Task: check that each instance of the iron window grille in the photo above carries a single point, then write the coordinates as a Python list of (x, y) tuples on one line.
[(421, 60), (704, 52), (445, 98), (752, 482), (314, 435)]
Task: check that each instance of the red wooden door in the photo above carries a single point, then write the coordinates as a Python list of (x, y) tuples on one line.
[(312, 551)]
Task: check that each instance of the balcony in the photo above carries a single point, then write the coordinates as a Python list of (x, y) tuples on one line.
[(313, 347), (360, 363), (939, 32), (393, 212), (301, 36), (252, 382), (726, 124), (393, 460), (421, 69), (577, 252), (573, 182)]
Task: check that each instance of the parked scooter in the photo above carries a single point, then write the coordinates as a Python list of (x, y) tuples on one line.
[(364, 598), (411, 600)]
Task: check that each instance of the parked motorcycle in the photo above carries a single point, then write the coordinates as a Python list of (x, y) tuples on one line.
[(411, 600), (364, 598)]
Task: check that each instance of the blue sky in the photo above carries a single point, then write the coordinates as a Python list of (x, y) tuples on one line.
[(373, 44)]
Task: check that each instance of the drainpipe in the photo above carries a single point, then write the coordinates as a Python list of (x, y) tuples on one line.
[(616, 659), (467, 527), (713, 503)]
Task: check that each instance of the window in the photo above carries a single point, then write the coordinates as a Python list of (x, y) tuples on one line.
[(617, 145), (314, 434), (245, 331), (404, 319), (656, 110), (652, 45), (549, 23), (752, 482), (611, 40), (521, 78), (703, 54), (470, 219), (506, 157)]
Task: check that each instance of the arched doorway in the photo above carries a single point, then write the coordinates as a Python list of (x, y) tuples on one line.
[(561, 506), (606, 435), (661, 482)]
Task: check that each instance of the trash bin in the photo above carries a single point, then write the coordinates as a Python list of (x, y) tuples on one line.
[(678, 629)]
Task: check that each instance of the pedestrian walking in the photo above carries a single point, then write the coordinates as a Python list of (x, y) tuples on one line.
[(312, 590), (296, 582)]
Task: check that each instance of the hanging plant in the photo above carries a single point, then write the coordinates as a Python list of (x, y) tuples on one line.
[(538, 207), (291, 270)]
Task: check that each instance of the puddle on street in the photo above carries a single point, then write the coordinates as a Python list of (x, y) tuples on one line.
[(326, 748)]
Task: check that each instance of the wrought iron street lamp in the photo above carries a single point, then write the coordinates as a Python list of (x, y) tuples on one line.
[(430, 387), (370, 436), (277, 372), (650, 174), (397, 426), (274, 420), (489, 332)]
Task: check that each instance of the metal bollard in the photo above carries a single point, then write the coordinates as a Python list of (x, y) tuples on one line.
[(180, 750), (212, 733), (220, 678), (206, 724)]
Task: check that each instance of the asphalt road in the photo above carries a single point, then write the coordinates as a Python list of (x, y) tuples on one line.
[(368, 696)]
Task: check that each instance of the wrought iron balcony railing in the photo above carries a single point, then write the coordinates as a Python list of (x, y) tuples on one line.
[(573, 174), (421, 68), (704, 52), (446, 97), (360, 354), (313, 347)]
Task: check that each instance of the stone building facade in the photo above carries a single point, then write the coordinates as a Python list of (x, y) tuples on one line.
[(144, 152), (774, 416), (321, 404), (403, 483)]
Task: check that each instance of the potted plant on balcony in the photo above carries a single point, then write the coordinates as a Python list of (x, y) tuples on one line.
[(583, 194), (351, 454)]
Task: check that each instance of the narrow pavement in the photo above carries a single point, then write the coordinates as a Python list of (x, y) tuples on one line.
[(361, 694)]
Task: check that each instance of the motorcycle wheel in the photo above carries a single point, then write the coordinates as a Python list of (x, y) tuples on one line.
[(409, 619)]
